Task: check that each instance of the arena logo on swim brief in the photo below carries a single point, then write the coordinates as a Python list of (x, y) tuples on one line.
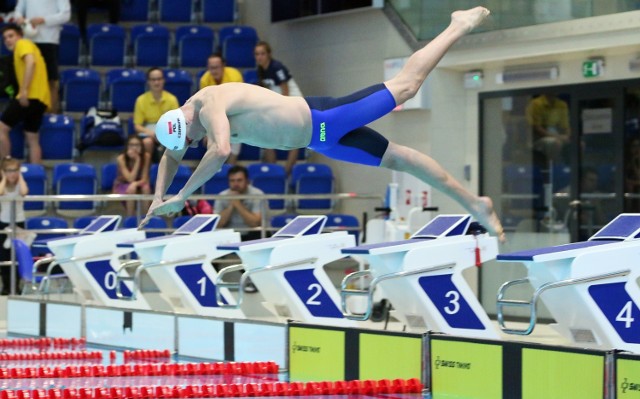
[(323, 132)]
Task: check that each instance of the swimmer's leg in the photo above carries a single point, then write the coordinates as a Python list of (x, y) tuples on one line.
[(407, 82), (425, 168)]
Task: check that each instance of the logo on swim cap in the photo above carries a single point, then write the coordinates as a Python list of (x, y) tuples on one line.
[(171, 130)]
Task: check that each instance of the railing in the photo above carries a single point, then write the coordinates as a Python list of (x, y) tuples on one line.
[(263, 198), (427, 18)]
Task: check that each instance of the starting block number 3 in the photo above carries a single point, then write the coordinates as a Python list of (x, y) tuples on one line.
[(618, 307), (312, 294), (451, 304)]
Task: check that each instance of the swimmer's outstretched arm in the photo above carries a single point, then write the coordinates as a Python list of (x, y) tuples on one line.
[(218, 150)]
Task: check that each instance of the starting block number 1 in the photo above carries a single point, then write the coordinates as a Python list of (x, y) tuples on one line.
[(618, 307)]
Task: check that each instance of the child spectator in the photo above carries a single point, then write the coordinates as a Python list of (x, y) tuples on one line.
[(133, 172), (12, 185)]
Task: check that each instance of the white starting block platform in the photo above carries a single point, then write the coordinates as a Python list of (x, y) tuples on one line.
[(287, 269), (180, 266), (422, 277), (90, 259), (589, 287)]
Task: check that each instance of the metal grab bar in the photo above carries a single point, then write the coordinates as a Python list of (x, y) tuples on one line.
[(241, 284), (121, 277), (45, 283), (533, 303), (346, 292)]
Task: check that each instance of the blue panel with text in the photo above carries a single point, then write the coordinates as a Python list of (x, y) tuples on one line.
[(618, 307), (105, 276), (450, 303), (199, 284), (312, 294)]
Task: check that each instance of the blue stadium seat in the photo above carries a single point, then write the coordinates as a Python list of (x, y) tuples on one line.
[(57, 137), (282, 155), (249, 153), (250, 76), (124, 86), (195, 43), (74, 178), (238, 51), (182, 175), (218, 11), (342, 221), (150, 45), (175, 10), (178, 82), (108, 173), (134, 10), (18, 146), (69, 50), (107, 45), (270, 178), (80, 89), (44, 223), (155, 222), (24, 259), (525, 181), (237, 44), (219, 182), (312, 178), (36, 178)]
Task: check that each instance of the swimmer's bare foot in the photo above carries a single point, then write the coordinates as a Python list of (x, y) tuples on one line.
[(469, 19), (487, 217)]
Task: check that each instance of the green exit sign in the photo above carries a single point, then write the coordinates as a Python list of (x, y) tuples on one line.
[(593, 68)]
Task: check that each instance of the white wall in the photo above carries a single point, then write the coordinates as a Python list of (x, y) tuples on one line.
[(337, 55)]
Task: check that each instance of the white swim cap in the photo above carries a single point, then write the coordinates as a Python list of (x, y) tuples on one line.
[(171, 129), (29, 30)]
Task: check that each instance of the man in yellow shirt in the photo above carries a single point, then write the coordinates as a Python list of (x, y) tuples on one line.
[(150, 106), (218, 72), (33, 97)]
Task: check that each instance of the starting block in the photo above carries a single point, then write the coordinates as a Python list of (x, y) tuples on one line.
[(180, 265), (590, 287), (287, 268), (422, 277), (88, 258)]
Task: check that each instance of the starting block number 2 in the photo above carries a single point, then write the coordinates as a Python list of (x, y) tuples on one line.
[(618, 307), (312, 294)]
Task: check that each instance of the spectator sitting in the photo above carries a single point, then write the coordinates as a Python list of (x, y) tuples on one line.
[(240, 213), (133, 172), (33, 97), (218, 72), (150, 106)]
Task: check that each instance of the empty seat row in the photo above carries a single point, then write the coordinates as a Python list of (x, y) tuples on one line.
[(156, 45)]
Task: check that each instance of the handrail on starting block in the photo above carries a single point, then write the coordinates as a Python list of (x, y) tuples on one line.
[(138, 271), (244, 278), (532, 304), (347, 292)]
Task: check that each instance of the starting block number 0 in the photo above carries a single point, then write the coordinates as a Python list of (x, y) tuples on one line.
[(618, 307), (105, 276)]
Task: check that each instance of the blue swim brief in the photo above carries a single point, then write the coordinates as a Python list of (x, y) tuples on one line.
[(339, 130)]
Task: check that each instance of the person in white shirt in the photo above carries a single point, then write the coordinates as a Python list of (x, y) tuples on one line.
[(47, 17)]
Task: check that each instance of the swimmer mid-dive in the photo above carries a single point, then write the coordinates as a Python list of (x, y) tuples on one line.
[(335, 127)]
